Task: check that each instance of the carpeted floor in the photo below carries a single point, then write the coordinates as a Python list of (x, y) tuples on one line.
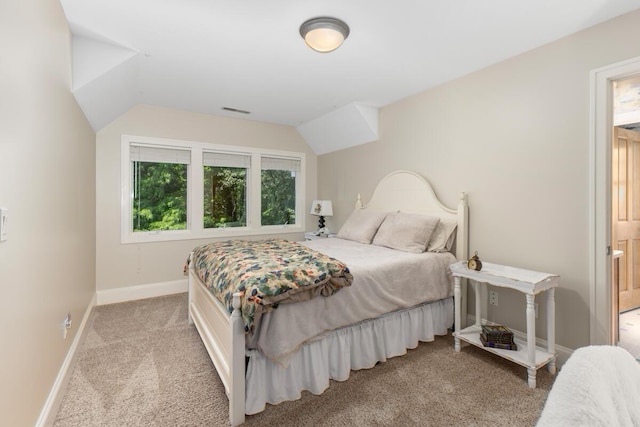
[(629, 338), (141, 364)]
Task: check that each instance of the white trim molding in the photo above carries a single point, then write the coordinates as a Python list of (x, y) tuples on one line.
[(600, 127), (131, 293)]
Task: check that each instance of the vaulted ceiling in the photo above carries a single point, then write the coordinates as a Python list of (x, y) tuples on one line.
[(204, 55)]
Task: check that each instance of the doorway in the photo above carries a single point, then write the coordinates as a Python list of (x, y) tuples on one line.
[(602, 300), (625, 215)]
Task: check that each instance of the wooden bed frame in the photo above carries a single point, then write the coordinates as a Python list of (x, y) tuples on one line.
[(223, 335)]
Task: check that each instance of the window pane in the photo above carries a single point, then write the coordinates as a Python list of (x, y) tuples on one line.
[(159, 196), (278, 197), (225, 190)]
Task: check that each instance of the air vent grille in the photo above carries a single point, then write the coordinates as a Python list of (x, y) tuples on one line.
[(236, 110)]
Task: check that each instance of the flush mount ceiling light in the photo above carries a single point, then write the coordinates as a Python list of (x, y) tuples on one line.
[(324, 34)]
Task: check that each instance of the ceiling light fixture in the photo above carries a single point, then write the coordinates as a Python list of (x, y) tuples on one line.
[(324, 34)]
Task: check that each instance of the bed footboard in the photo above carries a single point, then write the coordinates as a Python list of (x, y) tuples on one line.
[(223, 337)]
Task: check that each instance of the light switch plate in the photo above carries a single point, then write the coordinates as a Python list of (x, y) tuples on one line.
[(4, 214)]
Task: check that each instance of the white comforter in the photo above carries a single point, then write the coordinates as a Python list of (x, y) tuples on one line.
[(384, 280)]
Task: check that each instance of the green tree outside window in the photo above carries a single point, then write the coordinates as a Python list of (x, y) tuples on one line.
[(160, 196)]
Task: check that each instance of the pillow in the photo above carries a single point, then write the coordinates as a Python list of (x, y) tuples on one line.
[(361, 225), (406, 232), (443, 236)]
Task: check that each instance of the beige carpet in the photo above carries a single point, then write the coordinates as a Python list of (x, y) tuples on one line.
[(141, 364)]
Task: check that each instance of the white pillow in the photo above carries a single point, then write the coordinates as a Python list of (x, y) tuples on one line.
[(443, 236), (406, 232), (361, 225)]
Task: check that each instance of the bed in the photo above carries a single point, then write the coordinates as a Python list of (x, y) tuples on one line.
[(396, 299)]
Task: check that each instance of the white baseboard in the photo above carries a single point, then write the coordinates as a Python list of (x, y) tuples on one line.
[(50, 408), (562, 353), (131, 293)]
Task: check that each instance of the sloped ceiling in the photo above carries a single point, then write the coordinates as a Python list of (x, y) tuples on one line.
[(203, 55)]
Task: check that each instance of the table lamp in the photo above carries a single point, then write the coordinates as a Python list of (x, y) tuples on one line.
[(322, 208)]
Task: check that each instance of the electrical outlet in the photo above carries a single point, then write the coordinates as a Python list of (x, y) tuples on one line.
[(66, 325), (493, 298), (4, 219)]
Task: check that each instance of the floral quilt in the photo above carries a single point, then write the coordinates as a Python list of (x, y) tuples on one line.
[(267, 272)]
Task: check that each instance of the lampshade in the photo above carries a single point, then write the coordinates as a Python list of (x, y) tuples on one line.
[(324, 34), (322, 208)]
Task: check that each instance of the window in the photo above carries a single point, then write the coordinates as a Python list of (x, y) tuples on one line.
[(278, 189), (159, 181), (187, 190), (225, 189)]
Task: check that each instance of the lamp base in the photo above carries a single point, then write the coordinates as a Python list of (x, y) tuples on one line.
[(320, 222)]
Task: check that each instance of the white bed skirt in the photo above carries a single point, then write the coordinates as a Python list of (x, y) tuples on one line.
[(353, 347)]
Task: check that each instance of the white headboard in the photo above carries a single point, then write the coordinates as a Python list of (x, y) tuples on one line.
[(406, 191)]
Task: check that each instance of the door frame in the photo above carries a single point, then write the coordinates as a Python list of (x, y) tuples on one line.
[(600, 129)]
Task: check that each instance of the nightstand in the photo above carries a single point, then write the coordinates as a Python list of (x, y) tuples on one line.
[(529, 283), (311, 235)]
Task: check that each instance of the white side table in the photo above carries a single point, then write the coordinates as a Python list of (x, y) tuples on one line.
[(526, 281)]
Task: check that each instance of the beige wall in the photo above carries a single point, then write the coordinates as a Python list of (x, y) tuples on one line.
[(47, 176), (121, 266), (515, 137)]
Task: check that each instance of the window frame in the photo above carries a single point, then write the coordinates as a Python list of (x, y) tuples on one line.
[(195, 193)]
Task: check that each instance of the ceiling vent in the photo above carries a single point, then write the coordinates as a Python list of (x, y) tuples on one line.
[(235, 110)]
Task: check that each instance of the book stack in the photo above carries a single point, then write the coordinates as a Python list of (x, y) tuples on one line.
[(497, 336)]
